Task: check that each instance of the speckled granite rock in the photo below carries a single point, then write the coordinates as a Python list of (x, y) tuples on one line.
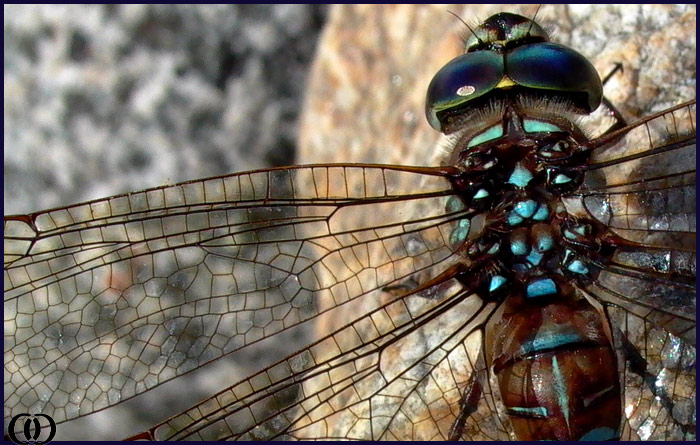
[(101, 100), (107, 99)]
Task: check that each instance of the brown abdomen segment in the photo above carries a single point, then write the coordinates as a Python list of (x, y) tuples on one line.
[(565, 394)]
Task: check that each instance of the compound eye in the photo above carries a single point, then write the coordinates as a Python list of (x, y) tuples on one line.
[(458, 83), (556, 69)]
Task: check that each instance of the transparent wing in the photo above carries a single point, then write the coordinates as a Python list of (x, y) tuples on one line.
[(642, 187), (107, 299), (374, 378)]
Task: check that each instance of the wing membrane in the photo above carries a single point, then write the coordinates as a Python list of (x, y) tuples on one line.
[(642, 187), (645, 179), (368, 387), (106, 299)]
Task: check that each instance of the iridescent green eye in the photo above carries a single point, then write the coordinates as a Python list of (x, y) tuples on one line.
[(463, 79), (511, 53), (549, 66)]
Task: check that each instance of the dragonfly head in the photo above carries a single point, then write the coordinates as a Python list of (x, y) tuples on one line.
[(510, 55)]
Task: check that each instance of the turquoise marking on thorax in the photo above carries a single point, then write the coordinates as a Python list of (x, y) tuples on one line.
[(496, 282), (541, 214), (569, 235), (541, 288), (520, 176), (488, 135), (581, 230), (544, 242), (578, 267), (518, 247), (481, 193), (494, 249), (534, 258), (533, 126), (526, 208), (561, 179), (513, 219)]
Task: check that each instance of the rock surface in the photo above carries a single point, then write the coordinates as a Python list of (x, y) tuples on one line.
[(101, 100), (366, 97)]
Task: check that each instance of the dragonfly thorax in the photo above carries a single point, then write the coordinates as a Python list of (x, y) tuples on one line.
[(515, 182)]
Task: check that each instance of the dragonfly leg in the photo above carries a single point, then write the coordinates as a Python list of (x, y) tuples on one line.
[(430, 289), (620, 121), (467, 405)]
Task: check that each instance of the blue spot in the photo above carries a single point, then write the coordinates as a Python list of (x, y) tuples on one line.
[(577, 266), (601, 434), (454, 204), (541, 288), (513, 219), (547, 340), (541, 214), (496, 282), (534, 258), (459, 233), (533, 126), (481, 193), (569, 235), (544, 242), (518, 247), (488, 135), (561, 179), (520, 176), (494, 249), (535, 411), (526, 208)]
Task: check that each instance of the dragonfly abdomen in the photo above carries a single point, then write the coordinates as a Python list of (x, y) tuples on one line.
[(556, 370)]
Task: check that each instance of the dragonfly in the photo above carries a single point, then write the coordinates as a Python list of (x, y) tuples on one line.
[(283, 236)]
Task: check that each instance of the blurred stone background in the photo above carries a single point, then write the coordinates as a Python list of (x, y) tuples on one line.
[(105, 99), (101, 100)]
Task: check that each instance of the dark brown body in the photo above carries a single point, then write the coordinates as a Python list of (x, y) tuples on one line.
[(556, 370)]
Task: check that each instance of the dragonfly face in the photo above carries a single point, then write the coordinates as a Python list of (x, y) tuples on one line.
[(330, 270)]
